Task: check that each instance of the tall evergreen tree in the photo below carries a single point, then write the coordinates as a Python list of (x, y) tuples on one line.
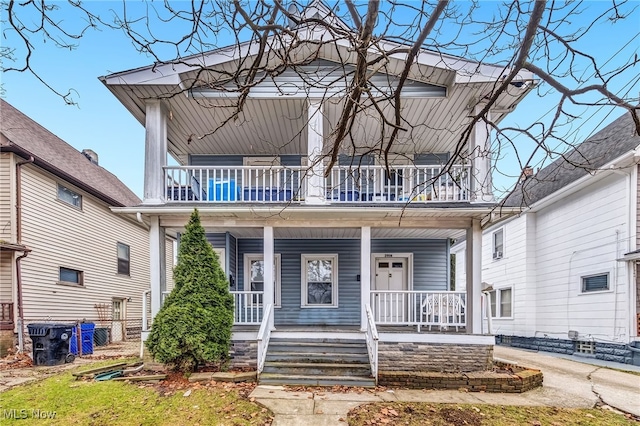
[(194, 324)]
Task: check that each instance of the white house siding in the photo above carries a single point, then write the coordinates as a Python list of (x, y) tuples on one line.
[(581, 235), (169, 259), (62, 235), (5, 196), (6, 276), (510, 271)]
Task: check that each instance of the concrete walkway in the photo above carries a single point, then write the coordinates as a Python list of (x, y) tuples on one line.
[(567, 384)]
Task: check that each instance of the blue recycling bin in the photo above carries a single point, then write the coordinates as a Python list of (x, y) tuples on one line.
[(86, 337), (223, 190)]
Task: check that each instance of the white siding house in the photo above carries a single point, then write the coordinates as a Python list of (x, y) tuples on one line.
[(83, 262), (560, 279)]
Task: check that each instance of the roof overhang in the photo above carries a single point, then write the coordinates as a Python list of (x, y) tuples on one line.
[(4, 246), (632, 256)]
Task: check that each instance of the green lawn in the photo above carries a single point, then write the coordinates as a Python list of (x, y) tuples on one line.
[(426, 414), (80, 402)]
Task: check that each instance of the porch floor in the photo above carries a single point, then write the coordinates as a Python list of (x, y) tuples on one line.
[(354, 329)]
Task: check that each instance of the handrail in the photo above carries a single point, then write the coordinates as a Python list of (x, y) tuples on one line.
[(264, 334), (371, 339), (247, 307)]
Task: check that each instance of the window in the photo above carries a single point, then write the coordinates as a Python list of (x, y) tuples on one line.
[(70, 197), (123, 259), (320, 280), (254, 275), (501, 303), (599, 282), (498, 244), (71, 276)]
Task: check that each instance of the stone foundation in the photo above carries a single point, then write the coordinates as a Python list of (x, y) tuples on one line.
[(604, 351), (244, 354), (513, 380), (434, 357), (7, 341)]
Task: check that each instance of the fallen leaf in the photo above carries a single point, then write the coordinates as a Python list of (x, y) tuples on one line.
[(187, 393)]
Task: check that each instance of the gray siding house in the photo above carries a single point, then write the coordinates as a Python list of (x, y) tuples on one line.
[(358, 253)]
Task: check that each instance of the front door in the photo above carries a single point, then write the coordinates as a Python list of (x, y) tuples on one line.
[(391, 276)]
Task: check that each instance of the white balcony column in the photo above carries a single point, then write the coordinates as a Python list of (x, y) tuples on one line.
[(269, 273), (474, 278), (480, 156), (155, 153), (157, 263), (365, 273), (315, 142)]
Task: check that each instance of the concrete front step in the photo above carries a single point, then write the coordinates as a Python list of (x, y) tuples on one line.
[(306, 380), (310, 357), (299, 346), (318, 369)]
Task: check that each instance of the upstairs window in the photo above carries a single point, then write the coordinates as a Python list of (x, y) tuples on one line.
[(598, 282), (124, 260), (70, 197), (498, 244)]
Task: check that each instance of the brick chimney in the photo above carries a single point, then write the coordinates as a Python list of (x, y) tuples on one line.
[(91, 155)]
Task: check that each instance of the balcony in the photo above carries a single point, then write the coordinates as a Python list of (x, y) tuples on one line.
[(345, 184)]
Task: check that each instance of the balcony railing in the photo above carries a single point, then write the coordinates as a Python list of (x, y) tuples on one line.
[(445, 309), (345, 184)]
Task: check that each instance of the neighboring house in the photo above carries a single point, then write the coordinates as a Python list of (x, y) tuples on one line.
[(64, 255), (563, 271), (334, 257)]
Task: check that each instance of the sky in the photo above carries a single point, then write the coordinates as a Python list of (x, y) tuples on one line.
[(99, 122)]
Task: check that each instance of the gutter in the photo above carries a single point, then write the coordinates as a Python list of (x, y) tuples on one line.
[(25, 253)]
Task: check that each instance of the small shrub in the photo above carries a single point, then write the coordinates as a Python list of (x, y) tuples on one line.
[(194, 324)]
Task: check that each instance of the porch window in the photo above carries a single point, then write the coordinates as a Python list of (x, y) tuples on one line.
[(254, 275), (501, 302), (320, 280)]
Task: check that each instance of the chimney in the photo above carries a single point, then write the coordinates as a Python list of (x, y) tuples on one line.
[(91, 155), (527, 172)]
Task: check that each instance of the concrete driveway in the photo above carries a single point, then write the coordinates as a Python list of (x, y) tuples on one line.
[(568, 383)]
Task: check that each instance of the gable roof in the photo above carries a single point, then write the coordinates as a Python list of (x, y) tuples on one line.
[(615, 140), (26, 138)]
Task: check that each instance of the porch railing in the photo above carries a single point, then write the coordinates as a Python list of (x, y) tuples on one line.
[(371, 339), (248, 307), (6, 316), (234, 184), (264, 334), (442, 309), (366, 184)]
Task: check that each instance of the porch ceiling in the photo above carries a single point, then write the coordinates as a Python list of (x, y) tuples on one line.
[(338, 233), (278, 126)]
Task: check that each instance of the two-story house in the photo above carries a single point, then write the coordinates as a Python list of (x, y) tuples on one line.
[(359, 253), (64, 256), (563, 271)]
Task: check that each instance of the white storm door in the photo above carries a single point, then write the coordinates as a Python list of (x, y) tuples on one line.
[(391, 276)]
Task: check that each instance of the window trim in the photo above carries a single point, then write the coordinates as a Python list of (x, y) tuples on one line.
[(79, 273), (65, 188), (582, 286), (304, 258), (118, 258), (248, 258), (494, 250), (497, 292)]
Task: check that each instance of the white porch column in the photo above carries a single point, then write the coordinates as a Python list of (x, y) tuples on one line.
[(315, 142), (474, 277), (157, 262), (480, 156), (155, 154), (365, 273), (269, 273)]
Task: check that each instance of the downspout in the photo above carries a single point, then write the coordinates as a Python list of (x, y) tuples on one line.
[(19, 241)]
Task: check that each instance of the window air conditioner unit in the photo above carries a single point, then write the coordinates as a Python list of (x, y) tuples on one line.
[(497, 255)]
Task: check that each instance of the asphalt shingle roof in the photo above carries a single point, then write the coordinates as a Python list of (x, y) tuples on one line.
[(22, 132), (613, 141)]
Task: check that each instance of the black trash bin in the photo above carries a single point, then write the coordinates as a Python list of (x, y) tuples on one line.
[(51, 343)]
